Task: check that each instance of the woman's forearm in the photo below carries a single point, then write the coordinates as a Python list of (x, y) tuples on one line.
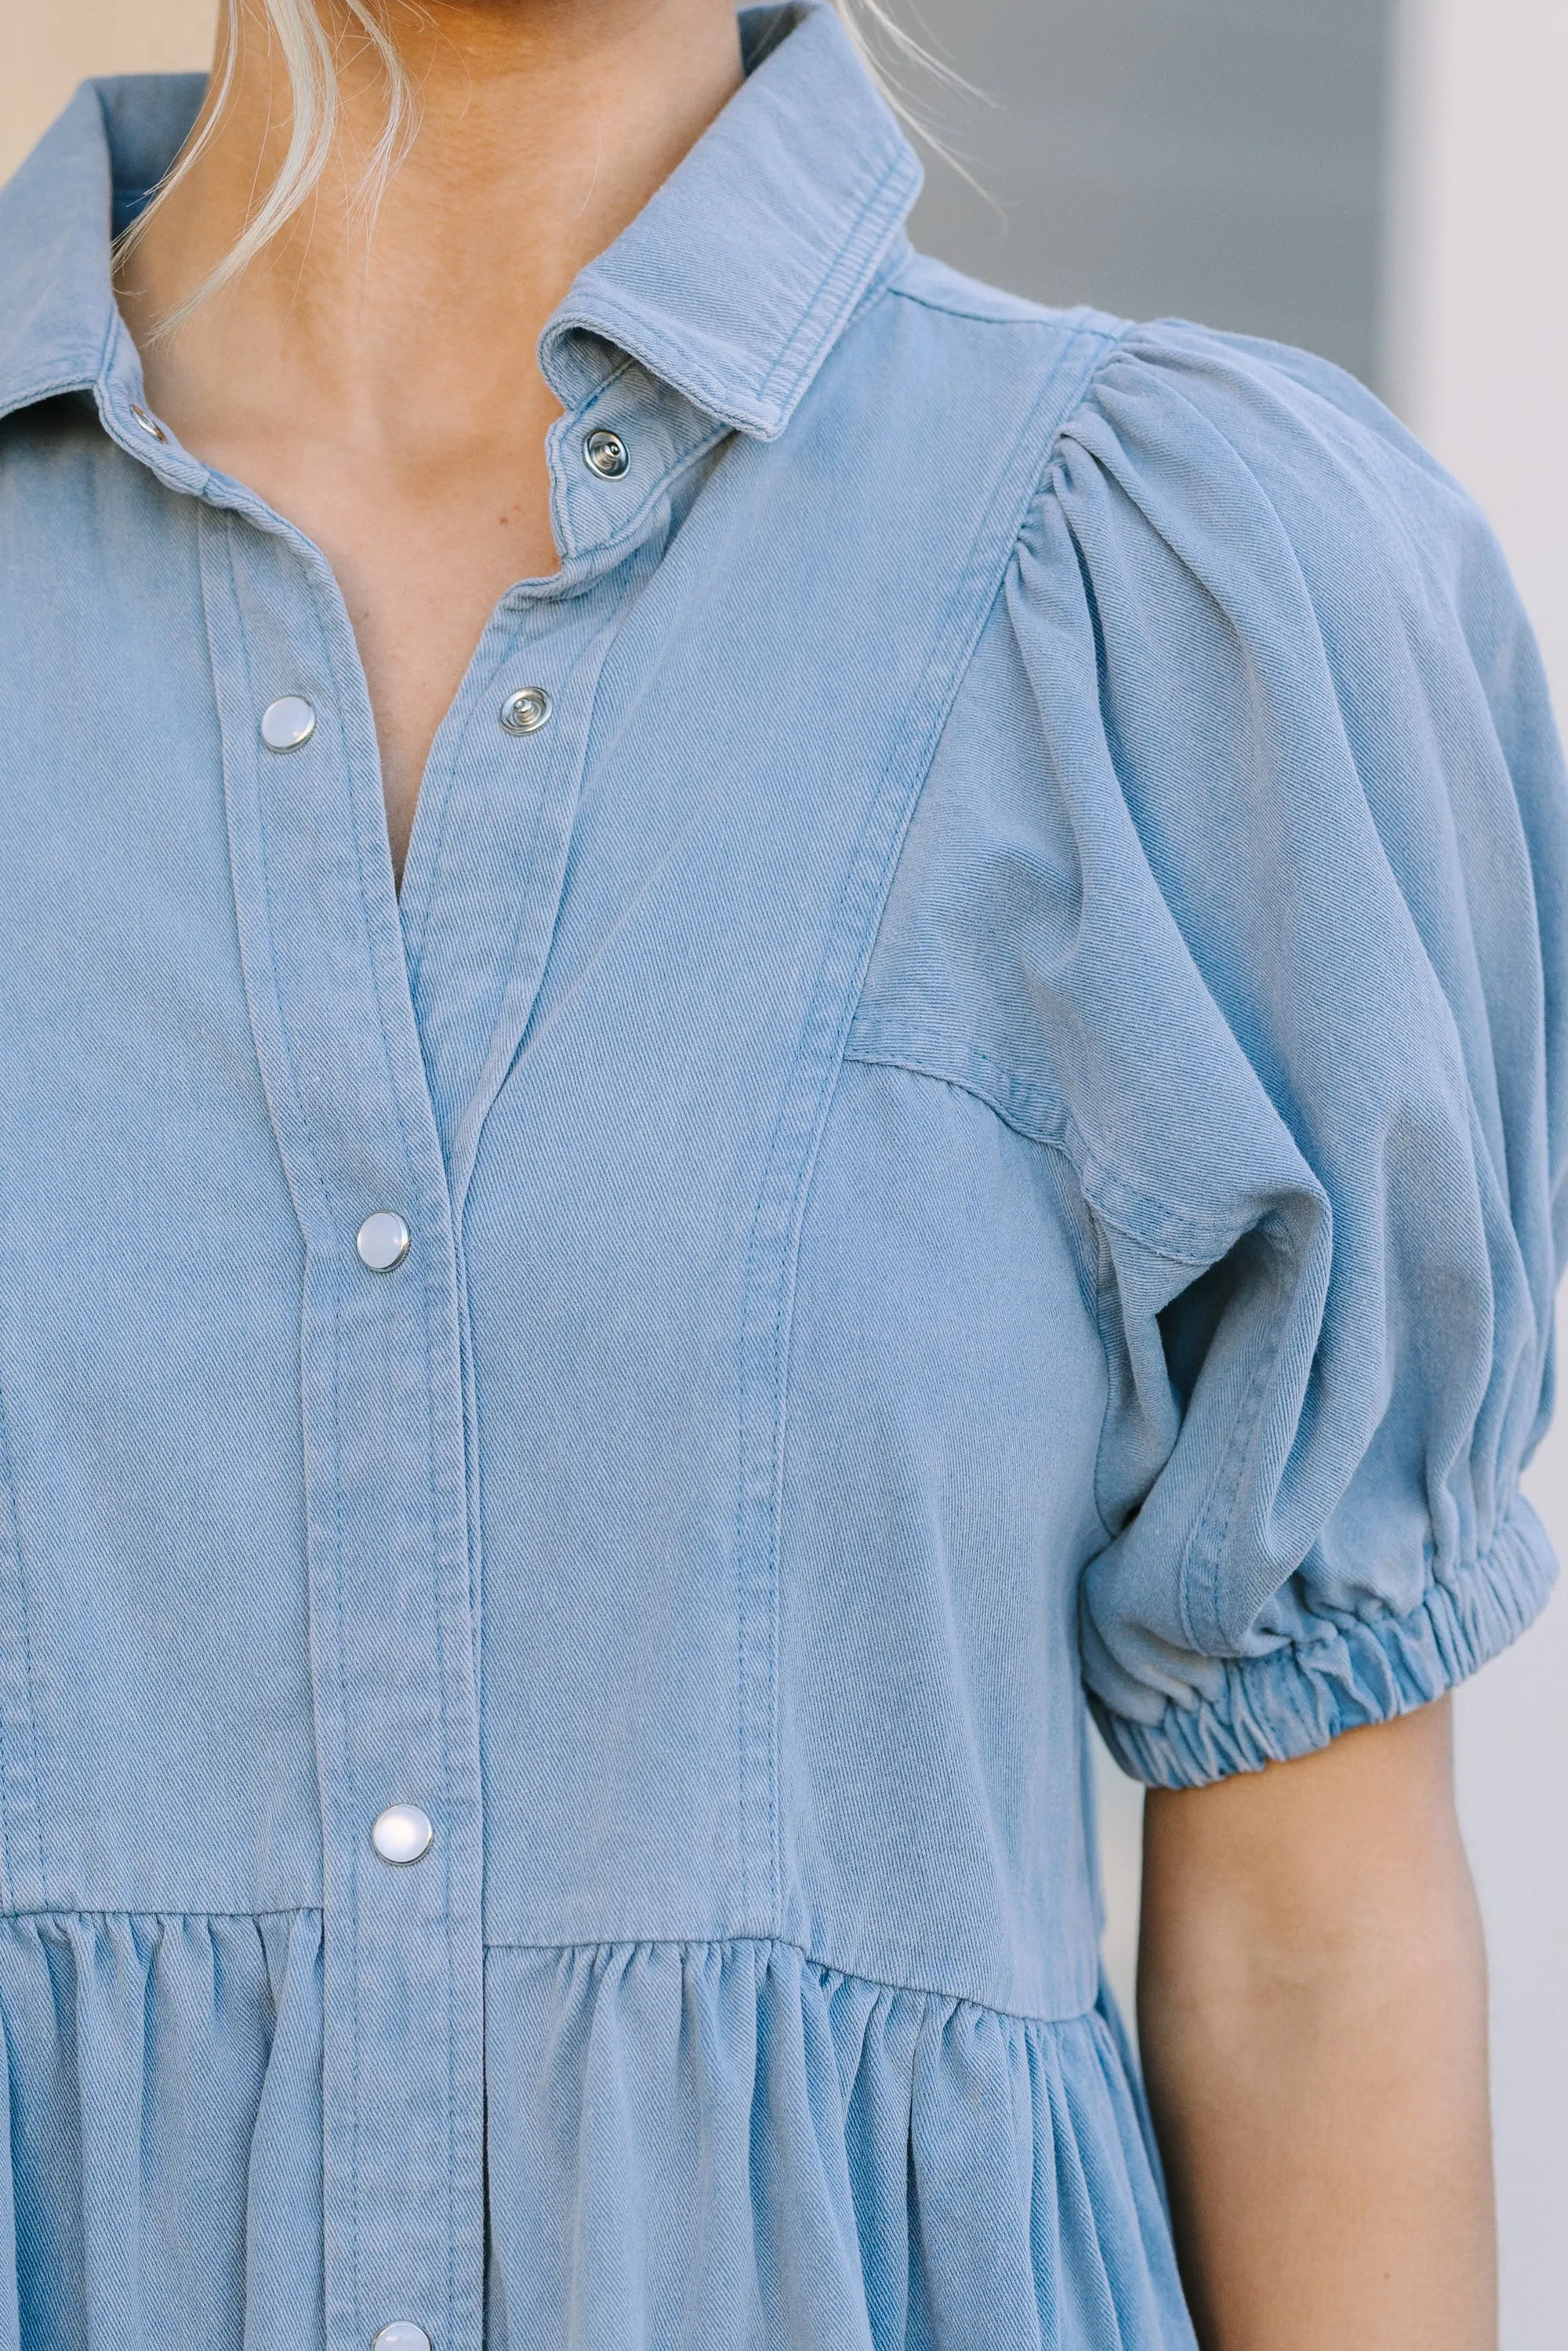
[(1312, 2002)]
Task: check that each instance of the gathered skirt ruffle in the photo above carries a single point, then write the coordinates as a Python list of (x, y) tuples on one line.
[(718, 2147), (161, 2179), (697, 2146)]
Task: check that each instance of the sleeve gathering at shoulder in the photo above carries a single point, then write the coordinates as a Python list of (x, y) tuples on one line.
[(1310, 1030)]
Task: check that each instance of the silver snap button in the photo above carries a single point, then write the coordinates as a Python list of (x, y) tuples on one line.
[(608, 454), (403, 2335), (382, 1241), (401, 1833), (525, 712), (149, 424), (287, 723)]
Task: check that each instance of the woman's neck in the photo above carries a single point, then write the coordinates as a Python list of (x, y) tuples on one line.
[(544, 127), (378, 382)]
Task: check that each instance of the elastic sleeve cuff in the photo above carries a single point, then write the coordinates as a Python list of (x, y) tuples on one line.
[(1270, 1709)]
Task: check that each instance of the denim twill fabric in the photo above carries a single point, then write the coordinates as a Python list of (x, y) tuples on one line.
[(980, 1115)]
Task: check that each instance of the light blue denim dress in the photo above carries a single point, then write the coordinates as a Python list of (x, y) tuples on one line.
[(974, 1082)]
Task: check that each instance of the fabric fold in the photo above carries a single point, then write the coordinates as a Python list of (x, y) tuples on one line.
[(1297, 1698), (162, 2170), (725, 2144), (693, 2147)]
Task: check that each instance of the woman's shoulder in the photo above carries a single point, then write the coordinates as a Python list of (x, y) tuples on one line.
[(1187, 418), (1248, 612), (1238, 880)]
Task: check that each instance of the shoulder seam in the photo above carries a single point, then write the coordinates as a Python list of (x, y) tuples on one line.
[(1075, 330), (1063, 322)]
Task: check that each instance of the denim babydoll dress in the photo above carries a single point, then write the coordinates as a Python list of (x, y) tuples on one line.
[(960, 1123)]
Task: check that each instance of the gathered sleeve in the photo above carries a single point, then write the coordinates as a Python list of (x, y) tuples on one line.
[(1307, 1027)]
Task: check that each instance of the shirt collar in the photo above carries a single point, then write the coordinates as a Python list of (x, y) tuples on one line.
[(734, 282), (731, 286), (58, 323)]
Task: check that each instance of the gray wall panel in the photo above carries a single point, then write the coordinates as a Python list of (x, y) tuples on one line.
[(1221, 159)]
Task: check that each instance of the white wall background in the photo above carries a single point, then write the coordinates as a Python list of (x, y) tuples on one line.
[(1475, 356), (1222, 159), (1476, 359)]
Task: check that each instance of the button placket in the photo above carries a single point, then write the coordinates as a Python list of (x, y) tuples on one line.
[(508, 785), (392, 1633)]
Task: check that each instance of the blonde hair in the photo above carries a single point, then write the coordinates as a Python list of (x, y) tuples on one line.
[(312, 39)]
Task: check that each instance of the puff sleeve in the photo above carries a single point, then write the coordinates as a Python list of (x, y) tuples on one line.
[(1309, 1029)]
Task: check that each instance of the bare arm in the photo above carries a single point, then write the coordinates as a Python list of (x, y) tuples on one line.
[(1311, 2004)]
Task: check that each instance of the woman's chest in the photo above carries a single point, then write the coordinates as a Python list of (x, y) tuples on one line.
[(704, 1287)]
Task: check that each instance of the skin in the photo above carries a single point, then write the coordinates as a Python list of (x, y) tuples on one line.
[(1311, 1987), (415, 461), (1312, 2009)]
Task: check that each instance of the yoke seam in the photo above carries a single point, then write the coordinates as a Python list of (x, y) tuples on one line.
[(802, 1950), (935, 1067), (154, 1910), (592, 1944), (1036, 320)]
